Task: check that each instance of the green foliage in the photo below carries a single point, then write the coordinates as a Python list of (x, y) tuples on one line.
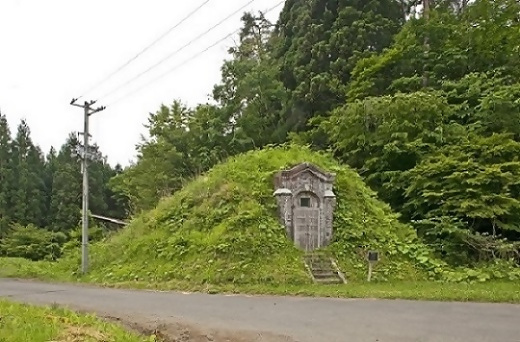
[(462, 291), (223, 228), (481, 39), (6, 175), (21, 322), (434, 157), (32, 243), (250, 94), (28, 190), (319, 44), (476, 180), (25, 268), (46, 192), (95, 234), (65, 193), (182, 143), (384, 136), (445, 155)]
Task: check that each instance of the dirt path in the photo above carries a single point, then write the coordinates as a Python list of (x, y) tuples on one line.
[(203, 318)]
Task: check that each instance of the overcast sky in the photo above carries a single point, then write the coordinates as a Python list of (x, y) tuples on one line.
[(54, 50)]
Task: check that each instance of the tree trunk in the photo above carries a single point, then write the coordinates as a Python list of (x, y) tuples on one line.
[(405, 9), (426, 14)]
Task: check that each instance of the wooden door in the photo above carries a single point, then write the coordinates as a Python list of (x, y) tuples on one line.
[(306, 222)]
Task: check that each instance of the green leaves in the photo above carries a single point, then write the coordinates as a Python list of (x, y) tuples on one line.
[(319, 45), (446, 156), (439, 154), (474, 181), (28, 187), (32, 243), (481, 39), (183, 143), (42, 195), (222, 228), (6, 175)]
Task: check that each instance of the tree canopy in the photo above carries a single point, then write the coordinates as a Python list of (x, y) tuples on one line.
[(418, 96), (40, 196), (421, 97)]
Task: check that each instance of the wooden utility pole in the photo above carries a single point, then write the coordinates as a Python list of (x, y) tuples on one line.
[(85, 155)]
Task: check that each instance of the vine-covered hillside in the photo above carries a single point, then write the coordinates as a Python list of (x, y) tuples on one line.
[(223, 227)]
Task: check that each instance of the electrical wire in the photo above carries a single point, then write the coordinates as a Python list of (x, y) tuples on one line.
[(198, 54), (174, 68), (176, 51), (188, 16)]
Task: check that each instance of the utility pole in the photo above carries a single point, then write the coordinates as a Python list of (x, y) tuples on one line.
[(85, 155)]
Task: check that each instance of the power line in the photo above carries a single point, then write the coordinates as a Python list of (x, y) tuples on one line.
[(177, 51), (147, 47), (196, 55), (174, 68)]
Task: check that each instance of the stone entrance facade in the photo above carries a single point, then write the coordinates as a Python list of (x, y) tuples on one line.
[(306, 205)]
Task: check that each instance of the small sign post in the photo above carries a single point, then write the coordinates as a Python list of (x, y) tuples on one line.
[(372, 258)]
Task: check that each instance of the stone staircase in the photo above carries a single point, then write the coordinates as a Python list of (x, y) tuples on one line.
[(323, 269)]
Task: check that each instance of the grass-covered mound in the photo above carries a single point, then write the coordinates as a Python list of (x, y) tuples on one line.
[(223, 228)]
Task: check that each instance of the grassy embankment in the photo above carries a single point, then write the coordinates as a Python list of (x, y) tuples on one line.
[(19, 322), (492, 291), (221, 234)]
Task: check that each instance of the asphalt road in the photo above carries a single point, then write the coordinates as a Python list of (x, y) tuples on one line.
[(285, 318)]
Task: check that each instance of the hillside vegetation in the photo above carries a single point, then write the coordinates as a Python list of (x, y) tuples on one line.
[(40, 195), (223, 228), (422, 102), (417, 100)]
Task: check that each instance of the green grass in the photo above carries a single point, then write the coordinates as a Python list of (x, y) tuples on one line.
[(222, 228), (491, 291), (221, 233), (24, 323)]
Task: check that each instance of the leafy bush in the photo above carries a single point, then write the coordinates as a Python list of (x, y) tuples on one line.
[(95, 234), (32, 243)]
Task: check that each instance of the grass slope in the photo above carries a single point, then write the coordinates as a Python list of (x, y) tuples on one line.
[(221, 234), (20, 322), (223, 228)]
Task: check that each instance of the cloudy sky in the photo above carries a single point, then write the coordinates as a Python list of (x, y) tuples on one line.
[(54, 50)]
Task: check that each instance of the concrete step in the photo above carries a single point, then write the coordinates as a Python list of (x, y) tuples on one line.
[(321, 266), (323, 269), (325, 274), (329, 281)]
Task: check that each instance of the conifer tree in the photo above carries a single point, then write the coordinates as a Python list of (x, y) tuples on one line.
[(28, 195), (6, 175)]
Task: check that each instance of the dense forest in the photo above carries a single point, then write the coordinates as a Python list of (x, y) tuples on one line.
[(40, 195), (420, 97)]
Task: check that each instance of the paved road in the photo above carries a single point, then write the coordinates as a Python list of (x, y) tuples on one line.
[(298, 319)]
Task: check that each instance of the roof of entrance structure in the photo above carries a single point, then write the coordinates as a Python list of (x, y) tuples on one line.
[(303, 167)]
